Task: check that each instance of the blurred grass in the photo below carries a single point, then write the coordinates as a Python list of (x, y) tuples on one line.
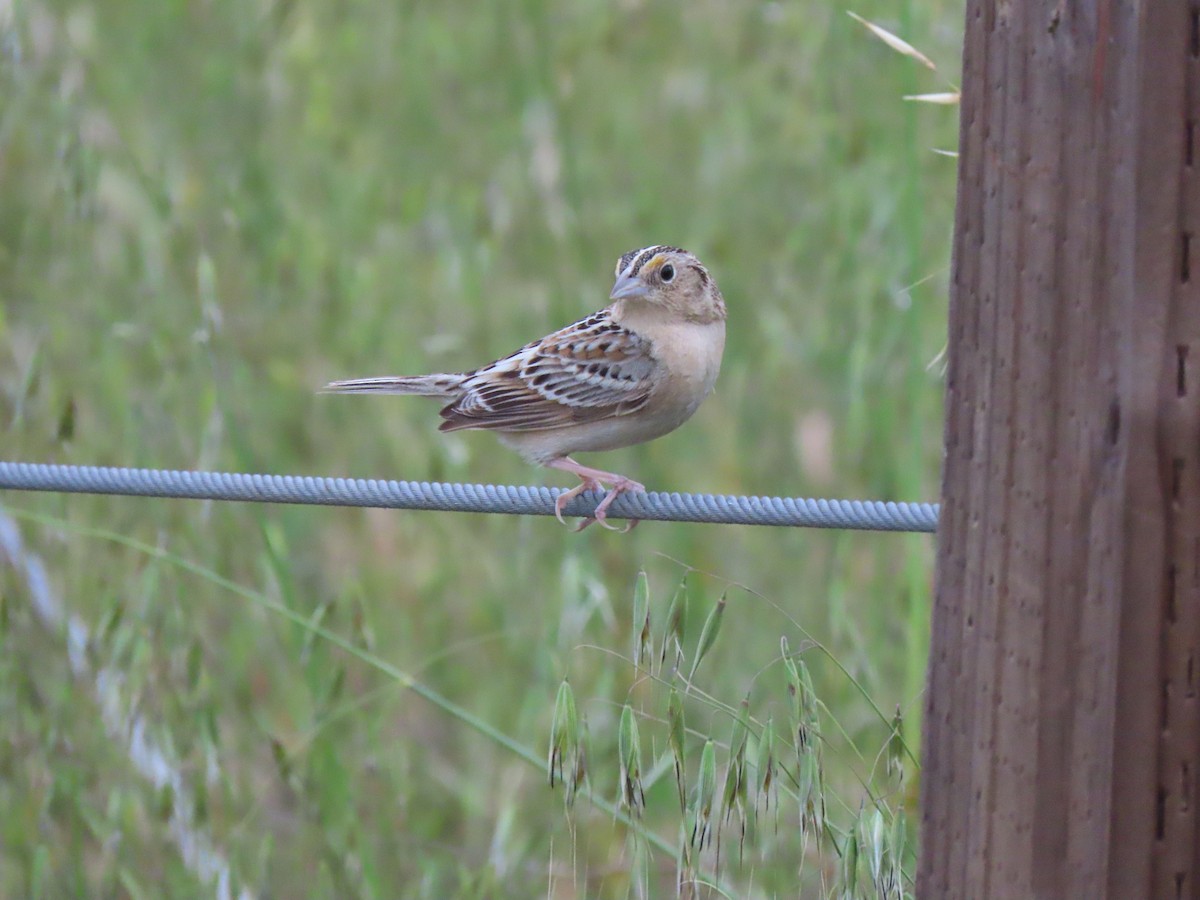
[(210, 208)]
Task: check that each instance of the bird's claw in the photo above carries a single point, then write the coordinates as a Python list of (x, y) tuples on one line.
[(566, 497), (600, 514), (630, 524)]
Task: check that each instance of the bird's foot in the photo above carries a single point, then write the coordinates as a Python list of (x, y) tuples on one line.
[(594, 480), (560, 502), (620, 486)]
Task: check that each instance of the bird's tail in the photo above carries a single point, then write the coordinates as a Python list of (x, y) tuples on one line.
[(442, 385)]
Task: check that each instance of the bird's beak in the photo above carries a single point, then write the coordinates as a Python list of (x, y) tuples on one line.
[(628, 286)]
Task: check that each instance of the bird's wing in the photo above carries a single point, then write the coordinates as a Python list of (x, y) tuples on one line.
[(593, 369)]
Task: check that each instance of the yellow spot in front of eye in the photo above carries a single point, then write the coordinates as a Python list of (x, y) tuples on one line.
[(655, 261)]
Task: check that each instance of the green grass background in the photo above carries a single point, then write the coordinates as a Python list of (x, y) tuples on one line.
[(210, 208)]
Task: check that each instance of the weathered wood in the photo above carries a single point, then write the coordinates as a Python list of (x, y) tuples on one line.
[(1062, 735)]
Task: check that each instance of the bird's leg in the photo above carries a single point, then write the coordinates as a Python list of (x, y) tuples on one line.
[(593, 480)]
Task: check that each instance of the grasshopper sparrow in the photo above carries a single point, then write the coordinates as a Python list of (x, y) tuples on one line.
[(629, 373)]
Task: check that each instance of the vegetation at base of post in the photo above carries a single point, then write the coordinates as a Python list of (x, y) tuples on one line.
[(868, 842)]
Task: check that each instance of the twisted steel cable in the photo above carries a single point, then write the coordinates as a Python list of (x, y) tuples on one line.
[(868, 515)]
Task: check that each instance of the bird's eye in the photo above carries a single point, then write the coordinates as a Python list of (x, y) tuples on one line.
[(667, 273)]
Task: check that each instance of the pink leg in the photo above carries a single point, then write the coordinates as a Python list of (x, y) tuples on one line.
[(592, 480)]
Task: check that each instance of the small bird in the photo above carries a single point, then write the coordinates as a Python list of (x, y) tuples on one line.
[(631, 372)]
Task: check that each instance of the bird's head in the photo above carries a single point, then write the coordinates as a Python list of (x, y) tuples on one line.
[(670, 278)]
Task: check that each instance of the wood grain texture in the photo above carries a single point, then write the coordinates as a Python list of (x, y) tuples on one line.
[(1062, 721)]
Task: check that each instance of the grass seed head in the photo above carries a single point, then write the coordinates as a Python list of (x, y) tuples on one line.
[(850, 865), (676, 622), (885, 856), (895, 748), (766, 762), (629, 748), (898, 44), (642, 643), (708, 635), (734, 796), (676, 732), (706, 795), (567, 760), (945, 98), (811, 791), (805, 718)]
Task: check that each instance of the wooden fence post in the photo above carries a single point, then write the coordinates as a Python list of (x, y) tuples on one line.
[(1062, 741)]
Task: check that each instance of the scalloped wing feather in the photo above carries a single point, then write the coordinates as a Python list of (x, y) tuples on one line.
[(591, 370)]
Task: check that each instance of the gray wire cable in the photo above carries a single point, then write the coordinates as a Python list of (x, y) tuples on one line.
[(869, 515)]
